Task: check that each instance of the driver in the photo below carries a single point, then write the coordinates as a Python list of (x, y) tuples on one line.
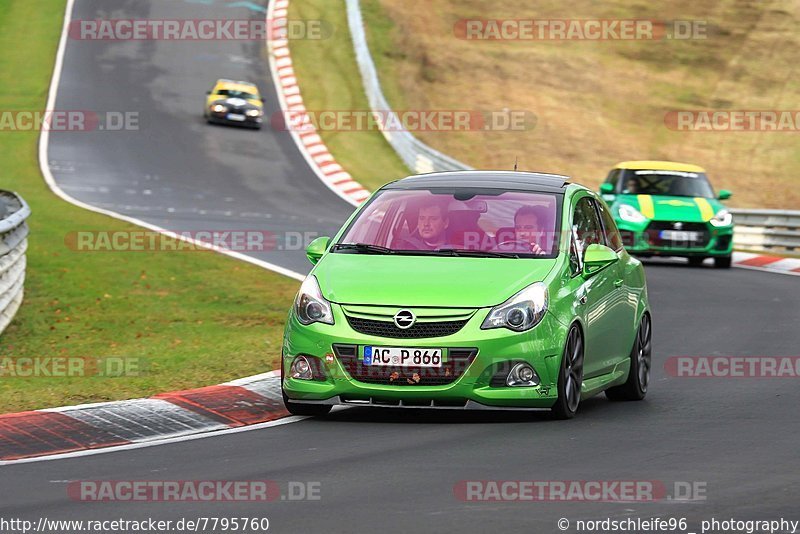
[(528, 229), (632, 186), (432, 223)]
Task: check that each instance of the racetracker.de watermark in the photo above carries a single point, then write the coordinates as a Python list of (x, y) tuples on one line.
[(733, 366), (774, 120), (193, 490), (578, 490), (198, 29), (71, 366), (186, 241), (505, 120), (480, 29), (68, 121)]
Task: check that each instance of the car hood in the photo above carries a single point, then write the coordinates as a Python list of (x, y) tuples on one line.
[(424, 280), (673, 208)]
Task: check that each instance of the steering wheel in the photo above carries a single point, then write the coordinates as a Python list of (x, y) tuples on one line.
[(515, 242), (517, 245)]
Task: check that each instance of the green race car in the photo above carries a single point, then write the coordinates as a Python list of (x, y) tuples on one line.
[(669, 209), (471, 289)]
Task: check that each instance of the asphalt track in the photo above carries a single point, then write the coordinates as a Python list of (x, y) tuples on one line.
[(176, 171), (385, 470)]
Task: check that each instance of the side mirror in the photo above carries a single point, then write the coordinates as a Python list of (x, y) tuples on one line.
[(607, 189), (724, 194), (596, 258), (317, 248), (208, 92)]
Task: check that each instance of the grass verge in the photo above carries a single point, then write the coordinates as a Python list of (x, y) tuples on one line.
[(184, 319), (365, 154), (601, 102)]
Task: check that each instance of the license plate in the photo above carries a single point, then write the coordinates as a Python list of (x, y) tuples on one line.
[(235, 117), (402, 357), (677, 235)]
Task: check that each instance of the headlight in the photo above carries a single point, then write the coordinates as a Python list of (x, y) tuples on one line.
[(218, 108), (253, 112), (310, 306), (722, 218), (521, 312), (630, 214)]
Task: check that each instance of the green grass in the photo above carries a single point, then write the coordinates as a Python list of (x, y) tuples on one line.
[(188, 318), (380, 28), (598, 103), (365, 154)]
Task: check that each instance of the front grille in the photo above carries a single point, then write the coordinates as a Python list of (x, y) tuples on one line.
[(419, 330), (457, 362), (654, 230)]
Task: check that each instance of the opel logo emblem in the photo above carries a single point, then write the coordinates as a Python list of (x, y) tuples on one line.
[(404, 319), (678, 225)]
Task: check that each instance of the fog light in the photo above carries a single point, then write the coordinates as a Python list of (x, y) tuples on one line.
[(522, 374), (301, 369)]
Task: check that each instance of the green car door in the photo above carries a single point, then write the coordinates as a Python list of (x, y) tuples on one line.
[(601, 295)]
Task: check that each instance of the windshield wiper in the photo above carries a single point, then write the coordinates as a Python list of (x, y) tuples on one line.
[(363, 247), (476, 253)]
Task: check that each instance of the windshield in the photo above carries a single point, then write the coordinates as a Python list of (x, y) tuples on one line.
[(672, 183), (456, 222), (237, 94)]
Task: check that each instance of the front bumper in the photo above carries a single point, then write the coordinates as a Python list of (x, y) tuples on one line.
[(541, 347), (222, 118), (642, 240)]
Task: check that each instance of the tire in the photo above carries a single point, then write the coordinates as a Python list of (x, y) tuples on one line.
[(635, 388), (723, 262), (570, 376), (696, 261), (313, 410)]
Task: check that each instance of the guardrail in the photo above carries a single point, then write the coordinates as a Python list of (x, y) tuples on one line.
[(418, 156), (757, 230), (13, 244), (770, 230)]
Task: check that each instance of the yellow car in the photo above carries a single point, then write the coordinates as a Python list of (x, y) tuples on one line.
[(237, 103)]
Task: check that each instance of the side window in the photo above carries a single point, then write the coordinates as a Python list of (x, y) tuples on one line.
[(586, 228), (575, 263), (613, 178), (612, 237)]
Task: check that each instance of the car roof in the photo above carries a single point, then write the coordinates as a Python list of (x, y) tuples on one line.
[(512, 180), (659, 166), (236, 85)]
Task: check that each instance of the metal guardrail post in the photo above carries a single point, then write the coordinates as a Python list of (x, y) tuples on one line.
[(13, 244), (766, 230)]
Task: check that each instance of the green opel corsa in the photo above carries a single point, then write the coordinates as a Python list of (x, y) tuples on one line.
[(472, 289)]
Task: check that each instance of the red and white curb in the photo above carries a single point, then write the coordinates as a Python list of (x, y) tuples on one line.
[(300, 126), (56, 431), (772, 264)]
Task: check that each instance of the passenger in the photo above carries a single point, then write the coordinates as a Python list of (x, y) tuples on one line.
[(632, 186), (528, 229)]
